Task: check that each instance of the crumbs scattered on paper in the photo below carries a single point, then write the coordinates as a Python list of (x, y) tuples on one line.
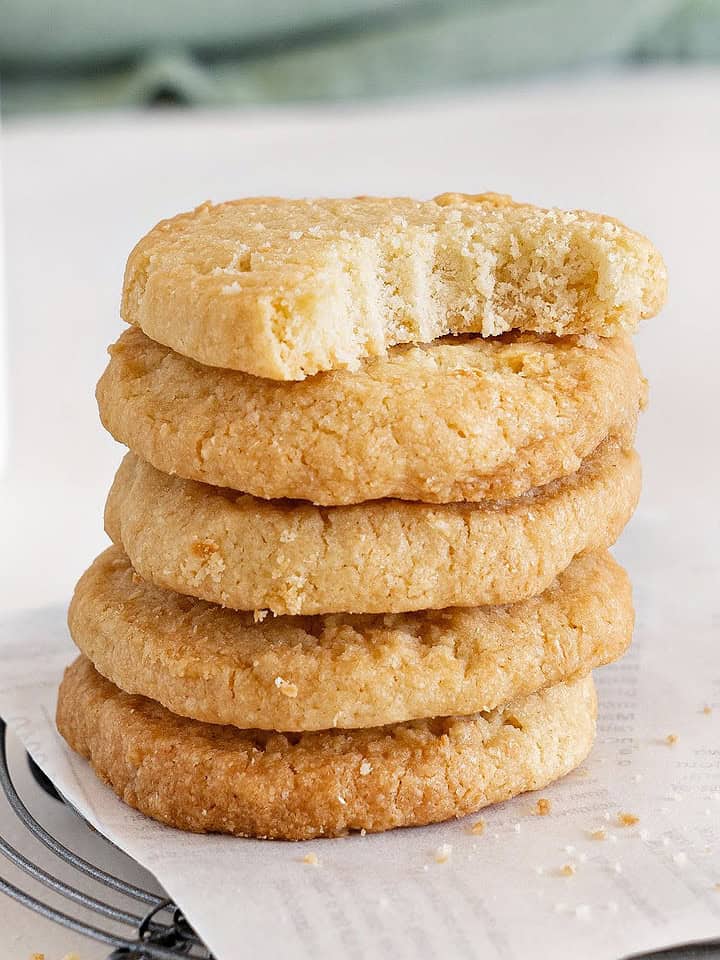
[(543, 807), (311, 859), (627, 819), (443, 853)]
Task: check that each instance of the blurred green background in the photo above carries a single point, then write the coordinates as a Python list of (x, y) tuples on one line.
[(103, 53)]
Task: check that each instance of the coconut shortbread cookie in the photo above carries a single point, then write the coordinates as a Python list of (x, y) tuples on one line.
[(342, 670), (456, 419), (384, 556), (210, 778), (286, 288)]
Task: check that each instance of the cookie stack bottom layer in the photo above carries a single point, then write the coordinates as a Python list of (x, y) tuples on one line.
[(210, 778)]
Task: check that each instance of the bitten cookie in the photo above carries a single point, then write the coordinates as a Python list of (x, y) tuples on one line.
[(210, 778), (385, 556), (456, 419), (285, 288), (343, 670)]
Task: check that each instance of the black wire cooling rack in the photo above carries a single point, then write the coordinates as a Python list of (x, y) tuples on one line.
[(158, 931)]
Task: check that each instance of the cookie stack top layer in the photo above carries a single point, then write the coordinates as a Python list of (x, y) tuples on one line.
[(286, 288)]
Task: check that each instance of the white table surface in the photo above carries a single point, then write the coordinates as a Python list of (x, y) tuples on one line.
[(79, 191)]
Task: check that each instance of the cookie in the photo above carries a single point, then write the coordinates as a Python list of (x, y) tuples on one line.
[(286, 288), (208, 778), (342, 670), (385, 556), (456, 419)]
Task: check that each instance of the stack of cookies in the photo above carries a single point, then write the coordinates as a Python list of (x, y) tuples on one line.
[(378, 451)]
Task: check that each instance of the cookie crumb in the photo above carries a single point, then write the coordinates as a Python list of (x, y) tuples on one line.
[(543, 807), (365, 768), (204, 549), (716, 887), (671, 739), (627, 819), (567, 870), (478, 828), (707, 710), (598, 834), (286, 688), (363, 832), (443, 853), (311, 860)]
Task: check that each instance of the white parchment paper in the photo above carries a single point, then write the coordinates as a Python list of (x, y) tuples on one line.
[(502, 894)]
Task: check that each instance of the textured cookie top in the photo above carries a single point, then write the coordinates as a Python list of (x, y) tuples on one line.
[(312, 673), (462, 418), (209, 778), (378, 557), (285, 288)]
